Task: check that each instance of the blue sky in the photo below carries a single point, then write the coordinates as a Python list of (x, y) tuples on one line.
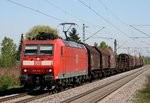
[(114, 15)]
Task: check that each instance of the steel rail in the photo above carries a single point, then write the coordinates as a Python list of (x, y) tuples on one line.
[(13, 97), (88, 99)]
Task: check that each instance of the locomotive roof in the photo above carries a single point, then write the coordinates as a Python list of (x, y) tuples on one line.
[(73, 44), (40, 41)]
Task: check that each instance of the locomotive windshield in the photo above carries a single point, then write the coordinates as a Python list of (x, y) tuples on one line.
[(38, 49), (31, 50), (46, 49)]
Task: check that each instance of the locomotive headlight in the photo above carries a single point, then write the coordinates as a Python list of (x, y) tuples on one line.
[(50, 70), (25, 70)]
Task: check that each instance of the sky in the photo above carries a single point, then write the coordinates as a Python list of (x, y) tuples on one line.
[(127, 21)]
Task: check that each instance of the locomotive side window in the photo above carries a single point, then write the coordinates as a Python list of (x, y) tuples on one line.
[(46, 49), (30, 49)]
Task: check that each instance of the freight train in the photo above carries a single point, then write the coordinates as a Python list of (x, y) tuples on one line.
[(60, 63)]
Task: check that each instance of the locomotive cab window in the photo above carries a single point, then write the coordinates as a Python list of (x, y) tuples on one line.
[(30, 49), (46, 49)]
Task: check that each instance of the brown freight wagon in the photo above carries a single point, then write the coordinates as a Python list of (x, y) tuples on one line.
[(104, 58), (131, 62), (123, 61), (93, 58)]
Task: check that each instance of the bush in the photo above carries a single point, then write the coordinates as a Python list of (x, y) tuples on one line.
[(7, 61), (5, 82), (9, 77)]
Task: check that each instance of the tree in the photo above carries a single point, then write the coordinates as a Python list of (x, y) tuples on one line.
[(96, 44), (104, 45), (8, 51), (73, 35), (8, 47), (34, 31), (19, 48), (45, 36)]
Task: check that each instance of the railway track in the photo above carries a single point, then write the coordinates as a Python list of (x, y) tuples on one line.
[(91, 96), (96, 94), (24, 97), (5, 99)]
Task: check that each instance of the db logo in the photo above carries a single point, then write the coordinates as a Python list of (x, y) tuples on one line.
[(37, 63)]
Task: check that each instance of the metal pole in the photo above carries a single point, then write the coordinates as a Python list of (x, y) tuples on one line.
[(83, 33), (115, 46)]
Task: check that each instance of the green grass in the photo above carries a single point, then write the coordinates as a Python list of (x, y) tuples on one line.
[(143, 96)]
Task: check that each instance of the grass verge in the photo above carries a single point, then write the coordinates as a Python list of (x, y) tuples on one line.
[(143, 96)]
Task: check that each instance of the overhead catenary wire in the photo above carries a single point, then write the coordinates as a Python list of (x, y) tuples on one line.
[(100, 16), (68, 13), (65, 11), (140, 37), (103, 37), (118, 19), (94, 33), (145, 43), (139, 30), (114, 15), (96, 13), (141, 25), (38, 11)]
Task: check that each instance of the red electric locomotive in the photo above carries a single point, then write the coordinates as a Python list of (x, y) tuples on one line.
[(45, 63)]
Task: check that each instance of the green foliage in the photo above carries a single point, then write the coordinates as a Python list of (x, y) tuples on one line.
[(4, 83), (96, 44), (146, 60), (8, 51), (45, 36), (19, 48), (7, 61), (73, 35), (8, 47), (7, 81), (34, 31), (103, 45)]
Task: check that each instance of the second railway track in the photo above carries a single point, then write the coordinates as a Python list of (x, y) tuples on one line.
[(96, 94)]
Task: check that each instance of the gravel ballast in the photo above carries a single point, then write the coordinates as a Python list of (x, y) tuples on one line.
[(115, 97), (126, 93)]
